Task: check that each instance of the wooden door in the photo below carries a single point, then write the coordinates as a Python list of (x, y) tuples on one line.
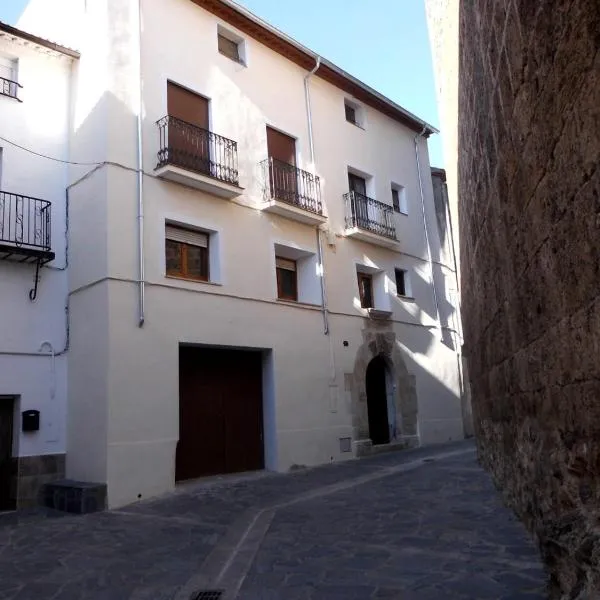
[(360, 210), (7, 502), (189, 138), (282, 170), (220, 412)]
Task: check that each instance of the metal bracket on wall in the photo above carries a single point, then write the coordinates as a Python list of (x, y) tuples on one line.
[(36, 280)]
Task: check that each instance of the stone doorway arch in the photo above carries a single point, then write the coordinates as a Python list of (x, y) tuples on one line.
[(384, 345)]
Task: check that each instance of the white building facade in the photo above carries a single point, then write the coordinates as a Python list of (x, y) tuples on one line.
[(35, 91), (256, 278)]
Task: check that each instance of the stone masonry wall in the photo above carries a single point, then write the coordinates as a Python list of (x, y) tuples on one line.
[(529, 189)]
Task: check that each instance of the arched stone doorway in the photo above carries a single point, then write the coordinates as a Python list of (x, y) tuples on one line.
[(400, 389)]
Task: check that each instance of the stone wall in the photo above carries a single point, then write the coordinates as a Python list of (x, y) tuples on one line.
[(32, 473), (529, 189)]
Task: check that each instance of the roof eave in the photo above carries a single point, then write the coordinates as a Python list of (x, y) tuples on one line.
[(24, 35)]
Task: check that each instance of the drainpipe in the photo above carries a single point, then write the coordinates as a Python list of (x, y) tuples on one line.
[(427, 243), (312, 160), (140, 185)]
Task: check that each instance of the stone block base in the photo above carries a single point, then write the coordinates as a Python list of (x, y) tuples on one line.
[(79, 497), (31, 473)]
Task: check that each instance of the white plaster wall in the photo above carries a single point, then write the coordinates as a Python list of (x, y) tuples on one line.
[(41, 123)]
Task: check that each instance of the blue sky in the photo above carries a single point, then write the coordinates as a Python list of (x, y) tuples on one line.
[(384, 43)]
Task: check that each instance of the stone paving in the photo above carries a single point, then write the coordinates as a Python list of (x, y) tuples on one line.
[(419, 524)]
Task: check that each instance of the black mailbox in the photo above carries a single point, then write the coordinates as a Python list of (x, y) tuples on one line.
[(31, 420)]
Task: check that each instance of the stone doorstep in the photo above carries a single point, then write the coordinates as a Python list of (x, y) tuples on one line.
[(366, 447), (80, 497)]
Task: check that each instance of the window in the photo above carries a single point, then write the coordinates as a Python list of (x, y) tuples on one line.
[(365, 289), (8, 77), (350, 113), (186, 253), (287, 281), (357, 184), (399, 199), (402, 283), (354, 113), (395, 200), (229, 48)]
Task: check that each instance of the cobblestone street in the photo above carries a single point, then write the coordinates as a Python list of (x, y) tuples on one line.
[(419, 524)]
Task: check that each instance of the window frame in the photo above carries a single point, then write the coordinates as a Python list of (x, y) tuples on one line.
[(183, 248), (278, 269), (237, 40), (360, 276), (358, 111)]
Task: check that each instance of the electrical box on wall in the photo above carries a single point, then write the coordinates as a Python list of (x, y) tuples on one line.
[(31, 420)]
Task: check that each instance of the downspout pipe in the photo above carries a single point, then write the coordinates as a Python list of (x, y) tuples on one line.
[(312, 161), (426, 230), (140, 186)]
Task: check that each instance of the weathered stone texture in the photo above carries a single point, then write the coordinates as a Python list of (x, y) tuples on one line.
[(529, 189)]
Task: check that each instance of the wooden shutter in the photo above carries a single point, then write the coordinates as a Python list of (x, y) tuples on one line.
[(187, 106), (229, 48), (285, 263), (281, 147), (186, 236)]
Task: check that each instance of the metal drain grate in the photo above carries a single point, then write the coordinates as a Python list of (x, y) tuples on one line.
[(207, 595)]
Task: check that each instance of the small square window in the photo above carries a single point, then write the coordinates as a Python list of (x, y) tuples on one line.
[(402, 283), (287, 280), (354, 113), (186, 253)]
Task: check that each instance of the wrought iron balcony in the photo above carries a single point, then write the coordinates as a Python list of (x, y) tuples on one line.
[(292, 185), (9, 88), (203, 154), (364, 214), (292, 192), (25, 228)]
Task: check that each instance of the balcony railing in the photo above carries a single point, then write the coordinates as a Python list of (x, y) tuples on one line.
[(195, 149), (368, 214), (9, 88), (24, 224), (292, 185)]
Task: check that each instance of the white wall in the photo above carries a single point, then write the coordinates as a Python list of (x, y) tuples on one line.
[(40, 122)]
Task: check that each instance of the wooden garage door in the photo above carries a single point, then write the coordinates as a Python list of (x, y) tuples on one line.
[(220, 412)]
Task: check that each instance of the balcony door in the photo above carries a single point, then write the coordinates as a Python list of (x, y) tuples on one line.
[(189, 139), (282, 166), (360, 209)]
